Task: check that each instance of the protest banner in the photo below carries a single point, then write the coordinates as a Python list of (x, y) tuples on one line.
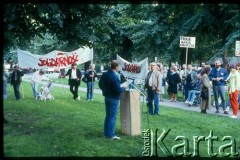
[(55, 58)]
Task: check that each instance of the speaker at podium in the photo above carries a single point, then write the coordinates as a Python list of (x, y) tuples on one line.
[(130, 112)]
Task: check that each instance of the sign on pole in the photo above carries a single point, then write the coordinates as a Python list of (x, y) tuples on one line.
[(187, 42), (237, 49)]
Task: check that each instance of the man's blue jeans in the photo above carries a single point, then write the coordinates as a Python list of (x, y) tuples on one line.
[(192, 95), (152, 96), (187, 88), (219, 91), (90, 87), (4, 89), (35, 89), (111, 106)]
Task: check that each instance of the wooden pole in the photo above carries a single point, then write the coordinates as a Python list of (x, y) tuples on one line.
[(186, 61), (92, 79)]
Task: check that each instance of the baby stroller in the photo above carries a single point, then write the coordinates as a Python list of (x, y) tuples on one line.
[(45, 92)]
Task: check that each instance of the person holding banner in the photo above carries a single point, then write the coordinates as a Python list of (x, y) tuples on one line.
[(37, 77), (90, 76), (153, 85), (111, 88), (183, 80), (74, 80), (16, 79)]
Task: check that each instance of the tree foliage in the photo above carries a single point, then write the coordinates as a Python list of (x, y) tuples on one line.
[(134, 31)]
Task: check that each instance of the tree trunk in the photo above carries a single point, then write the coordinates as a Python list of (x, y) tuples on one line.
[(11, 65), (225, 63), (126, 49)]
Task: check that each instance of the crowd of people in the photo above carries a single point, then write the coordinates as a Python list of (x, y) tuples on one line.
[(196, 85), (190, 81)]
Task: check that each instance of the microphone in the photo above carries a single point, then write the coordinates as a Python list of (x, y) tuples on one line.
[(122, 77)]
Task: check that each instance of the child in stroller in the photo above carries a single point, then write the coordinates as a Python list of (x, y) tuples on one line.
[(44, 93)]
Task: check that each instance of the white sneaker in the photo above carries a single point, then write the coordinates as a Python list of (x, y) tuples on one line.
[(78, 98), (115, 138), (186, 102), (233, 116), (227, 108)]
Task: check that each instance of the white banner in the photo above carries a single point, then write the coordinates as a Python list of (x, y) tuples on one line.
[(187, 42), (237, 49), (54, 59), (137, 70)]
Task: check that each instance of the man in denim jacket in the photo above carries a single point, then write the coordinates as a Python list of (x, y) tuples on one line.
[(218, 76)]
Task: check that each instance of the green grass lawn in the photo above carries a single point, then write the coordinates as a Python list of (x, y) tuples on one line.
[(64, 127), (65, 81)]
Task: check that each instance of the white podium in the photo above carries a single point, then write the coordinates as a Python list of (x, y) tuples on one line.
[(130, 112)]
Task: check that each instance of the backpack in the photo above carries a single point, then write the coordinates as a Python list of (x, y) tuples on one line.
[(189, 78)]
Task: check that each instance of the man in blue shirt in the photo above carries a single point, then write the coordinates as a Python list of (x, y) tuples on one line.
[(111, 88), (218, 76)]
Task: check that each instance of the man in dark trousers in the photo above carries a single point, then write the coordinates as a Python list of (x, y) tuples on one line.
[(110, 85), (74, 80), (16, 79)]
